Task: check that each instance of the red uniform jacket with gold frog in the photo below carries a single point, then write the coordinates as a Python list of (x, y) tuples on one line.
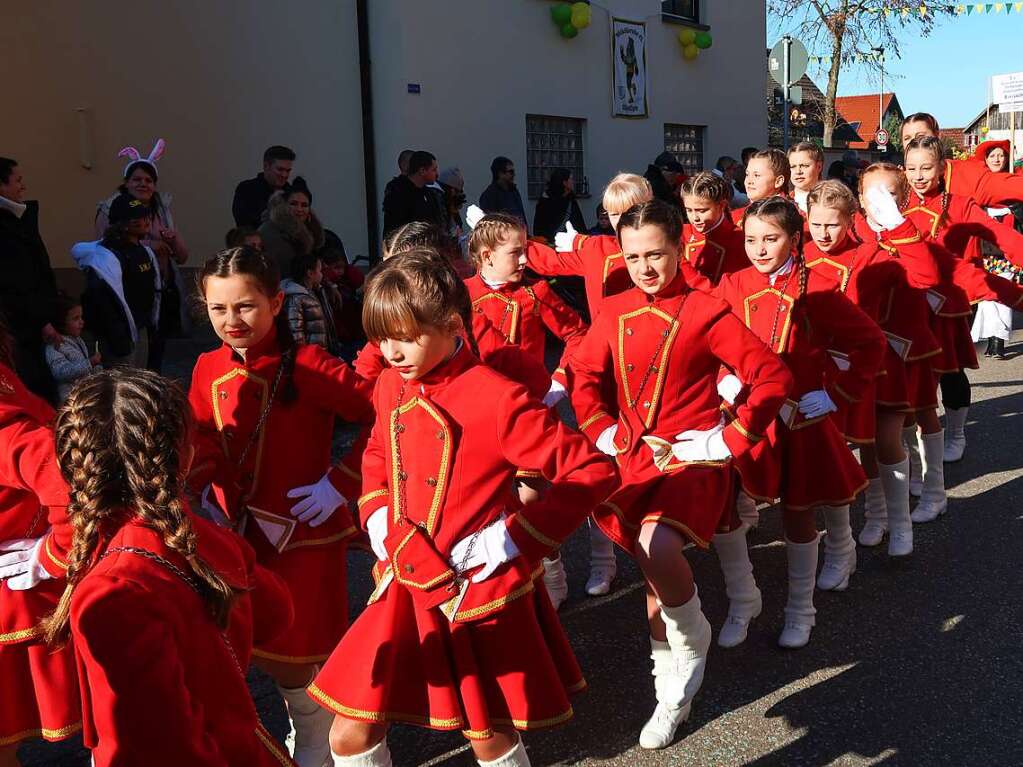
[(228, 395), (969, 178), (595, 258), (717, 253), (161, 685), (444, 451)]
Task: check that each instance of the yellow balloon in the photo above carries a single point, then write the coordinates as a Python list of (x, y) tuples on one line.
[(687, 37), (690, 52), (580, 17)]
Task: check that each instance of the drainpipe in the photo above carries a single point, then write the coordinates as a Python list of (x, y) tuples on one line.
[(368, 132)]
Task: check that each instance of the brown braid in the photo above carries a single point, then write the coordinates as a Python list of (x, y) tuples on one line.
[(120, 439), (933, 145), (784, 214)]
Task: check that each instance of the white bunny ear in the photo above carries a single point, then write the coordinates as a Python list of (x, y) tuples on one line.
[(157, 152), (130, 152)]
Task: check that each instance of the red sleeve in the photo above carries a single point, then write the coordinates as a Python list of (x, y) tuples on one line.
[(273, 610), (563, 322), (375, 488), (332, 384), (849, 330), (513, 363), (370, 362), (915, 255), (208, 461), (580, 476), (591, 364), (995, 189), (981, 285), (134, 678), (1007, 239), (546, 260), (695, 278)]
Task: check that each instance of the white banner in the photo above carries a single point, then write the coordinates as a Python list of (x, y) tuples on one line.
[(628, 68), (1007, 91)]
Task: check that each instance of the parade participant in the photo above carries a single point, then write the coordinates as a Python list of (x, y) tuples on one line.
[(803, 317), (806, 160), (962, 177), (160, 607), (880, 276), (663, 342), (767, 174), (523, 311), (454, 637), (265, 411), (711, 243)]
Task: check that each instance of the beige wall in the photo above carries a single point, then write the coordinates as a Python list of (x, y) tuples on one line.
[(220, 81), (484, 64)]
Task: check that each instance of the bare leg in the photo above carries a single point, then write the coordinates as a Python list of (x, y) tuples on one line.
[(348, 737), (503, 741), (9, 756)]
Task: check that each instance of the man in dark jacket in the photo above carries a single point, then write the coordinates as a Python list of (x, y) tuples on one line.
[(665, 177), (28, 289), (251, 195), (502, 196), (408, 199)]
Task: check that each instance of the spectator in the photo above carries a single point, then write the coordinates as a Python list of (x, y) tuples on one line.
[(122, 285), (309, 318), (291, 228), (666, 176), (341, 283), (71, 359), (558, 206), (603, 223), (409, 200), (728, 168), (251, 196), (502, 196), (852, 169), (27, 285), (404, 156), (140, 181), (836, 171), (453, 183), (244, 237)]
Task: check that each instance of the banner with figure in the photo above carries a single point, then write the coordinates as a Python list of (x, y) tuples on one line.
[(628, 68)]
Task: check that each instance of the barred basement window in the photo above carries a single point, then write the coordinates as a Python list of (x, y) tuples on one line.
[(555, 142), (685, 142), (681, 10)]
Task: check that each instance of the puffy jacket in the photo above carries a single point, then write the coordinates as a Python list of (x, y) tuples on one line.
[(307, 317)]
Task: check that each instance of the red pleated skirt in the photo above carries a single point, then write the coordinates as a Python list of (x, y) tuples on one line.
[(923, 384), (398, 663), (957, 351)]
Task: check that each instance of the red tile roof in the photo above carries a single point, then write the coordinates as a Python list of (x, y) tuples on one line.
[(955, 135), (861, 113)]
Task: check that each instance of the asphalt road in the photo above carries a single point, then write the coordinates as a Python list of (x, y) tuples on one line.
[(917, 663)]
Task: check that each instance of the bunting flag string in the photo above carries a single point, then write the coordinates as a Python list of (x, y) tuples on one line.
[(961, 9)]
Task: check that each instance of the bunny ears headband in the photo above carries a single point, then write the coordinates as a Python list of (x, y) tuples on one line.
[(134, 156)]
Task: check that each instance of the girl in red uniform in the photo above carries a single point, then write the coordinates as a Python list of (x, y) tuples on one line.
[(662, 343), (160, 605), (455, 637), (803, 317), (265, 411), (767, 174), (711, 242), (879, 276)]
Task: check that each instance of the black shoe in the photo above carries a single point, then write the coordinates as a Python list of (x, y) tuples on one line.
[(989, 351), (999, 348)]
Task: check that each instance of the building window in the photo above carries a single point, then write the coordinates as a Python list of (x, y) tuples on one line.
[(685, 142), (681, 10), (555, 142)]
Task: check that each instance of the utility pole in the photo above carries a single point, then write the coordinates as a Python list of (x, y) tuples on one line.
[(880, 95), (787, 41)]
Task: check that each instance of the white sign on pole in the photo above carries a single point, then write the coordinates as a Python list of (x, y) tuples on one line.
[(1007, 91)]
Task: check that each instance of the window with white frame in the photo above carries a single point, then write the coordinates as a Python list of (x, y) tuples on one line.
[(685, 143), (555, 142)]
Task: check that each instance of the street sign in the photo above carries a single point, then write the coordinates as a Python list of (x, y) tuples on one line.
[(1007, 91), (881, 137), (799, 59), (796, 94)]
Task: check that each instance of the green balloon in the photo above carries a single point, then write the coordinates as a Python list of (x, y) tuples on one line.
[(704, 40), (562, 14), (568, 31)]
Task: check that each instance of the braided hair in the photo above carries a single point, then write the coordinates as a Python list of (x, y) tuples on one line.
[(120, 440), (933, 145), (784, 214)]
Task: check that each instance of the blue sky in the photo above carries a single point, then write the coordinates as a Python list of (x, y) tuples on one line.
[(946, 73)]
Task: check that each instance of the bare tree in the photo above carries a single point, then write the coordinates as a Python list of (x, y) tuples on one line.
[(851, 29)]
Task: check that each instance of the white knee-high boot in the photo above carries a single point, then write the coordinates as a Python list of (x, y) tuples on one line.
[(913, 450), (800, 612), (895, 479), (955, 434), (312, 727), (378, 756), (839, 550), (933, 500), (555, 580), (603, 565), (517, 757), (875, 514), (744, 598), (747, 510)]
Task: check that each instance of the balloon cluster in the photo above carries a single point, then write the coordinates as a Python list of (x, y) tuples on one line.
[(569, 18), (693, 42)]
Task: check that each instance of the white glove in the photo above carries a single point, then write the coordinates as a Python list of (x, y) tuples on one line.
[(216, 515), (473, 214), (564, 242), (729, 388), (555, 394), (493, 546), (318, 502), (19, 563), (376, 528), (816, 403), (881, 207), (697, 445), (606, 441)]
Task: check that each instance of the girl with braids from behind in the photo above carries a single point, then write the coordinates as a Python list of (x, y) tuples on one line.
[(265, 411), (455, 636), (803, 317), (161, 607)]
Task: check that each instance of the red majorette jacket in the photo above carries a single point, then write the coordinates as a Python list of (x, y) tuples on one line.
[(596, 258), (719, 252)]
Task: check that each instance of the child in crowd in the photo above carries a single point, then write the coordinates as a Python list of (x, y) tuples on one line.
[(310, 319), (806, 163), (71, 360), (767, 174), (711, 243), (603, 225), (244, 236)]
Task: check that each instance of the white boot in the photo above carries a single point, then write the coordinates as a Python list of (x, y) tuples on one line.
[(933, 501), (916, 470), (603, 565), (378, 756), (659, 730), (555, 580), (839, 550), (688, 633), (800, 612), (312, 727), (744, 599), (515, 758), (747, 510), (895, 479), (955, 434), (875, 514)]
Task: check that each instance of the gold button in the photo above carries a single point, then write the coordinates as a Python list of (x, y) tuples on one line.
[(223, 395), (653, 368), (781, 308), (664, 333), (409, 569), (440, 434), (753, 308), (431, 482), (630, 367), (402, 476), (646, 404), (628, 331), (399, 427)]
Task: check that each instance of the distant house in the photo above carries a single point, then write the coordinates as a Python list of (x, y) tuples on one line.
[(992, 124), (862, 113), (954, 137), (806, 120)]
